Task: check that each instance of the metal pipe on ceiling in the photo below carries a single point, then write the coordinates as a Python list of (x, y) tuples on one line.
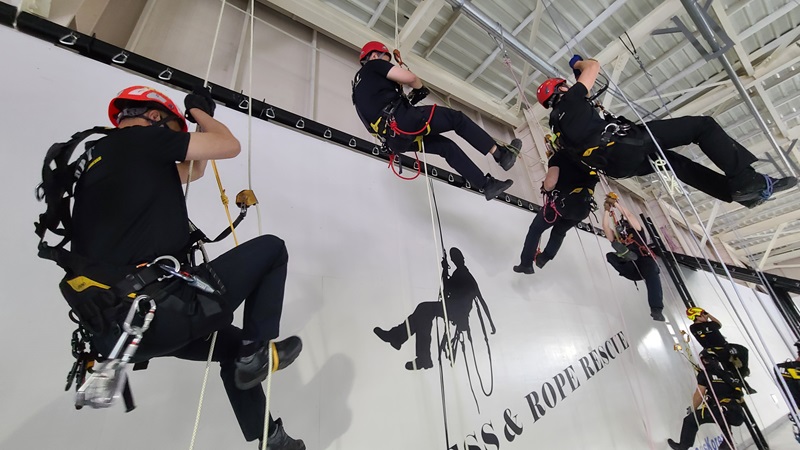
[(700, 20), (495, 30)]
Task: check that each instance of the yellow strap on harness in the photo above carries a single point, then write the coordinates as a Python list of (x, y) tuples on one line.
[(81, 283), (589, 150), (95, 161)]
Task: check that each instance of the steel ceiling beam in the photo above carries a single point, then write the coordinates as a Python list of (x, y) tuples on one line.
[(724, 94), (760, 226), (596, 22), (771, 246), (422, 17), (700, 20), (526, 68), (785, 256), (495, 30), (377, 13), (442, 33), (786, 238), (727, 26), (490, 59), (710, 222)]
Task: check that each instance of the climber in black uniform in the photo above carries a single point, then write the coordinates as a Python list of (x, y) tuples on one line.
[(718, 398), (621, 149), (633, 259), (378, 98), (568, 191), (129, 211), (460, 290), (706, 330)]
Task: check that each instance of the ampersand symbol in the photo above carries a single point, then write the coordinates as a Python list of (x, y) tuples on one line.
[(512, 429)]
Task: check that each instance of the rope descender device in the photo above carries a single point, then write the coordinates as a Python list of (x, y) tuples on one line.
[(109, 379), (246, 199)]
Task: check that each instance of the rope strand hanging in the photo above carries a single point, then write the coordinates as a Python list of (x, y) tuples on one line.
[(225, 202), (233, 231)]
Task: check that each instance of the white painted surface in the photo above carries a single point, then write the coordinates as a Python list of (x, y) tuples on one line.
[(362, 255)]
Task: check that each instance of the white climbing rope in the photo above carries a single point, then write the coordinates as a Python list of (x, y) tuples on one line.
[(188, 182)]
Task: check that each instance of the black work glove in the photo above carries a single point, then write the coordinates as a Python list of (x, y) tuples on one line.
[(416, 95), (572, 61), (201, 99), (445, 266)]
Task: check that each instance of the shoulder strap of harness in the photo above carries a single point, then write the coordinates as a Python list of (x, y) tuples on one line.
[(59, 176)]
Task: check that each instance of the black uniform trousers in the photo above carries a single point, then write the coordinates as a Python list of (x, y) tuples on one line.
[(254, 273), (644, 268), (446, 119), (727, 154), (731, 414), (540, 223)]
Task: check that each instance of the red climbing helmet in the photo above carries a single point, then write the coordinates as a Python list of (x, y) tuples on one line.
[(143, 94), (547, 89), (372, 46)]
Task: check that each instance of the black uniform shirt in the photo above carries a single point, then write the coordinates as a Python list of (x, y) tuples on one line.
[(372, 91), (578, 120), (721, 388), (129, 205), (708, 334), (571, 175)]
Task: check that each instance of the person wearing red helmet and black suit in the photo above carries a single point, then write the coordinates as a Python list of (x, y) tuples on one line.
[(129, 209), (378, 94), (621, 149)]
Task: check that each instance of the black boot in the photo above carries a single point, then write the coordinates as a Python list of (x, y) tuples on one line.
[(751, 186), (495, 187), (542, 259), (506, 155), (279, 440), (395, 336), (522, 268), (253, 369), (657, 315), (421, 363)]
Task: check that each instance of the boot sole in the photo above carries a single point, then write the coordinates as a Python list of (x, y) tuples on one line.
[(286, 360), (492, 196)]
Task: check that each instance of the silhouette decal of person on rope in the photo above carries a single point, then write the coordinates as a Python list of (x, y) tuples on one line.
[(460, 292)]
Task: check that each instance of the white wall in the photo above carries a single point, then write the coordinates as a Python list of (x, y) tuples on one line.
[(362, 255)]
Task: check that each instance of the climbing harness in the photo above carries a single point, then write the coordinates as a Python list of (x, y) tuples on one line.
[(576, 205), (597, 152)]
